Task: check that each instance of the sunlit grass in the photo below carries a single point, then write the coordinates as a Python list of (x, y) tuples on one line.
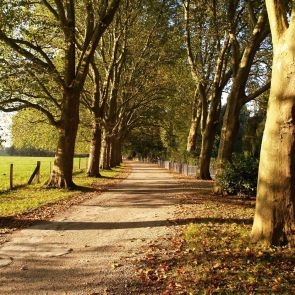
[(227, 262), (33, 196), (23, 168)]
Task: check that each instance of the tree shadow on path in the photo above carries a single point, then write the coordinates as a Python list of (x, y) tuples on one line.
[(66, 225)]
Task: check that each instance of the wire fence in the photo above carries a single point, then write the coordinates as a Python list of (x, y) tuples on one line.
[(17, 171), (185, 169)]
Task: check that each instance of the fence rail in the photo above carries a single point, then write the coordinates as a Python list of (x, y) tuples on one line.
[(185, 169)]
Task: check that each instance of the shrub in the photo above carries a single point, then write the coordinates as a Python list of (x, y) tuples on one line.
[(239, 176)]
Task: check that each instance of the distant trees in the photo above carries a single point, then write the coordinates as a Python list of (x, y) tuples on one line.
[(30, 130), (2, 140)]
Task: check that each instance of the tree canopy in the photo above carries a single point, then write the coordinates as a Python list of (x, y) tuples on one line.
[(182, 80)]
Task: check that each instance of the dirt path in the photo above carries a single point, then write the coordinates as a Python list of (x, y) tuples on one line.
[(90, 248)]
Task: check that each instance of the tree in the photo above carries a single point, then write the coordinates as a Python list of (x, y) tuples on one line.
[(30, 130), (2, 140), (42, 55), (243, 57), (208, 62), (274, 220), (137, 82), (104, 79)]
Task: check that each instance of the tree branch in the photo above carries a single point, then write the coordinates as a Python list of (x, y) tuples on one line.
[(14, 44), (277, 15), (51, 9), (24, 105), (256, 93)]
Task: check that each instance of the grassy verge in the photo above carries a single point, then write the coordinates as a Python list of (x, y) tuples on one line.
[(212, 253), (23, 168), (33, 196), (223, 260)]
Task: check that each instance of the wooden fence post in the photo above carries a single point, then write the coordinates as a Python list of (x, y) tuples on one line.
[(11, 177), (38, 172), (35, 173)]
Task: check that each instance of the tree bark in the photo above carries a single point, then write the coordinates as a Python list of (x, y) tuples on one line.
[(274, 216), (230, 125), (196, 119), (274, 221), (94, 153), (207, 144), (107, 164), (115, 152), (103, 149), (208, 134), (61, 175)]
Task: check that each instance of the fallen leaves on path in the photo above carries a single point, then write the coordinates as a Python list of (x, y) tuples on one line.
[(213, 253)]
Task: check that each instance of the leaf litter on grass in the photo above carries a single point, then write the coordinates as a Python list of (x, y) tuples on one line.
[(214, 255)]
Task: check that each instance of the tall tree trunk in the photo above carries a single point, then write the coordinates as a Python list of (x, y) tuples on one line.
[(94, 153), (207, 144), (61, 175), (230, 126), (192, 136), (208, 134), (107, 164), (274, 216), (274, 220), (116, 154), (119, 154), (113, 153), (196, 119), (103, 149)]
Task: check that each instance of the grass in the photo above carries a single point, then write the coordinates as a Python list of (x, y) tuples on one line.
[(226, 262), (23, 168), (33, 196), (213, 254)]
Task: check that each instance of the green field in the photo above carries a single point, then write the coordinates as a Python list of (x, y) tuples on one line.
[(23, 168), (29, 197)]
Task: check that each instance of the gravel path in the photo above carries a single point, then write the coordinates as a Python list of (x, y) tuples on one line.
[(92, 248)]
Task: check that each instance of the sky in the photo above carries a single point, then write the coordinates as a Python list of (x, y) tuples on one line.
[(5, 123)]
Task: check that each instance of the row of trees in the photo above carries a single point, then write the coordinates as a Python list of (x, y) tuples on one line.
[(224, 59), (229, 49), (107, 73), (232, 51), (84, 66)]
